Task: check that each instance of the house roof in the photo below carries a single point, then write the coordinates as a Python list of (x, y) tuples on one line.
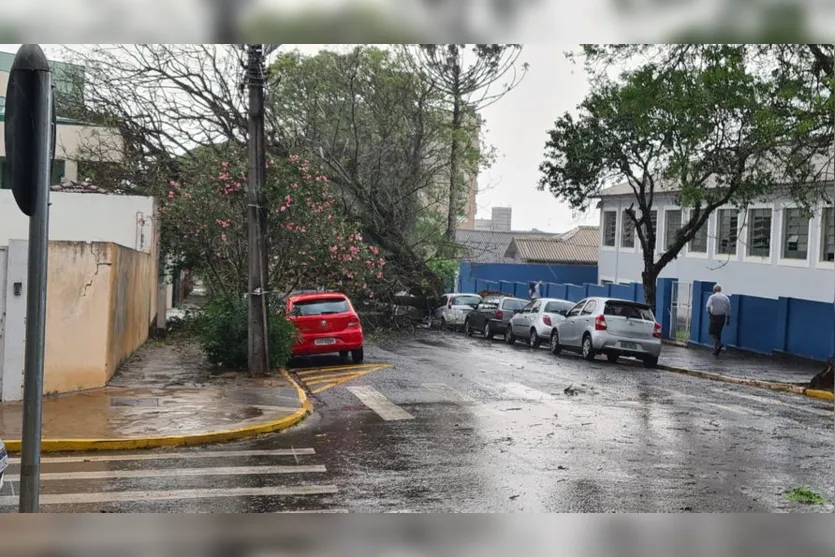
[(577, 246), (488, 246)]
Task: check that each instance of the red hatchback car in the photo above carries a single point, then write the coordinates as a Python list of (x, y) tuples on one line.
[(327, 323)]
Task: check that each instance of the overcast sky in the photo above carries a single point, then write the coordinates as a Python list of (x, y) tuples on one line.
[(517, 126)]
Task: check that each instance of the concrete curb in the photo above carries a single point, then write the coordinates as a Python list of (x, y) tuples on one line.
[(771, 385), (129, 443)]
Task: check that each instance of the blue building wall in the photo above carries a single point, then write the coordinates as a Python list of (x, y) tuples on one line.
[(522, 273), (793, 326)]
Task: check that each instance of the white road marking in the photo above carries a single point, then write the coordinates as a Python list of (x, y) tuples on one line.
[(177, 472), (127, 496), (527, 393), (701, 400), (170, 456), (322, 511), (764, 400), (449, 394), (384, 408)]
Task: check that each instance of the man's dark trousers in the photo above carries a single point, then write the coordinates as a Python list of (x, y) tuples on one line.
[(717, 323)]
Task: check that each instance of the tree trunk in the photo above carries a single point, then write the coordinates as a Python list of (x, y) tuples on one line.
[(455, 148), (825, 380), (650, 277)]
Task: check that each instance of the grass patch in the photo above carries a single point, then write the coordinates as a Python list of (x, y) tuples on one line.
[(805, 496), (683, 336)]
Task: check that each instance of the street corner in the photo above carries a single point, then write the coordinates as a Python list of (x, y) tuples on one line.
[(319, 379)]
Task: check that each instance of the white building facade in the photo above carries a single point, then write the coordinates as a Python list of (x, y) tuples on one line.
[(771, 249)]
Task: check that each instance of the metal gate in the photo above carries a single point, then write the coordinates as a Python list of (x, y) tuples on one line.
[(681, 310)]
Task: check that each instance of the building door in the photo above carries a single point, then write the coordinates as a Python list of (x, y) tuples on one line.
[(681, 310)]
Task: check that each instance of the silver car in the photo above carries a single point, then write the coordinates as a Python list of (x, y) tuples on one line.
[(4, 462), (455, 308), (536, 320), (612, 327)]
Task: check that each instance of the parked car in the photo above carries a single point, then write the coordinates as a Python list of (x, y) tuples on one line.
[(455, 308), (612, 327), (4, 462), (492, 315), (536, 320), (327, 323)]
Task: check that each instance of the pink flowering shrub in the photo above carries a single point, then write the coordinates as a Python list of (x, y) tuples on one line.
[(310, 244)]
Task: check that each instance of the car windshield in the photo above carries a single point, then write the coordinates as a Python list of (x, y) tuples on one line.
[(628, 310), (555, 307), (320, 307), (514, 305), (466, 301)]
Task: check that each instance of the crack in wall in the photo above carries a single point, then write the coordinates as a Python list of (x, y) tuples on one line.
[(99, 265)]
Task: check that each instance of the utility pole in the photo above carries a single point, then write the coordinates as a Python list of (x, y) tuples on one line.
[(258, 338), (30, 146)]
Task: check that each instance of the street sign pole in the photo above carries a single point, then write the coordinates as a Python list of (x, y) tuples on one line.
[(29, 146)]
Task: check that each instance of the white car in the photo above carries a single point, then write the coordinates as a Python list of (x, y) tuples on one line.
[(536, 321), (455, 308), (4, 462)]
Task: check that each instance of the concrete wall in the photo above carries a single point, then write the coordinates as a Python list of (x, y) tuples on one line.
[(101, 301), (126, 220), (770, 278)]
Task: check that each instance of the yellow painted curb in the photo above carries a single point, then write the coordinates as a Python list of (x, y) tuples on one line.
[(823, 395), (67, 445), (784, 387)]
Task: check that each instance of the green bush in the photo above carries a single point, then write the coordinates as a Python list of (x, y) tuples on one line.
[(223, 335)]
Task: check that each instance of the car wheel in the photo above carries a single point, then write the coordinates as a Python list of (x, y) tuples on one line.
[(588, 348), (613, 358), (357, 355), (555, 343), (509, 337), (467, 328), (535, 341), (488, 334), (650, 362)]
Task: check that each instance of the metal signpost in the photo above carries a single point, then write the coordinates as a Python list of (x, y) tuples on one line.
[(30, 145)]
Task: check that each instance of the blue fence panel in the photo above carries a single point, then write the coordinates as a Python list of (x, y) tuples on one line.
[(506, 287), (559, 291), (599, 290), (622, 291), (575, 293), (524, 273), (756, 324), (810, 329)]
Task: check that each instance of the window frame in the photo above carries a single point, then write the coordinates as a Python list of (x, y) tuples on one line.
[(781, 257), (579, 307), (718, 233), (603, 244), (688, 251), (747, 232), (590, 305), (625, 219), (820, 263), (667, 240)]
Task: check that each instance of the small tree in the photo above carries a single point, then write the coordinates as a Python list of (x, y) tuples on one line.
[(705, 131)]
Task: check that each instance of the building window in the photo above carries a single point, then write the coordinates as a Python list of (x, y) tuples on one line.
[(604, 282), (698, 244), (726, 231), (828, 234), (795, 234), (759, 232), (610, 225), (672, 224), (627, 232)]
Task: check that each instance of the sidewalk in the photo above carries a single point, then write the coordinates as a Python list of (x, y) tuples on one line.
[(739, 364), (163, 396)]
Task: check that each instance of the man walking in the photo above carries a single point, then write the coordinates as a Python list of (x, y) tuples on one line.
[(719, 312)]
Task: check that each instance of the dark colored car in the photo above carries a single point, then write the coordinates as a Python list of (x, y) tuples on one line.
[(492, 315), (327, 323)]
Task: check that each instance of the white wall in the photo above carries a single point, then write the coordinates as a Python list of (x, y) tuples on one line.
[(738, 274), (86, 217)]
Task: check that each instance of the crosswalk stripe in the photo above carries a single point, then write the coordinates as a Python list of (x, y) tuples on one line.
[(527, 393), (128, 496), (449, 394), (177, 472), (171, 456), (377, 402)]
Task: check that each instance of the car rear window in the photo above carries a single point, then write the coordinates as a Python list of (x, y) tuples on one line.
[(466, 301), (514, 305), (630, 310), (321, 307), (554, 307)]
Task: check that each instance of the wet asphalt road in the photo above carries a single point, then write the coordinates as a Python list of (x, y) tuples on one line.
[(462, 424)]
